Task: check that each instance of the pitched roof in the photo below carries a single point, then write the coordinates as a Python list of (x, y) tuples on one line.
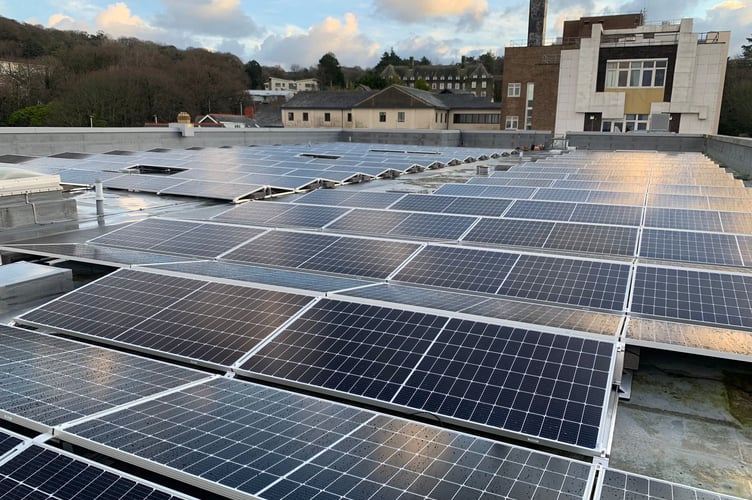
[(467, 101), (326, 99)]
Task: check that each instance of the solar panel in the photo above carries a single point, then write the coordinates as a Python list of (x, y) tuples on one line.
[(268, 276), (616, 198), (433, 226), (368, 221), (216, 190), (64, 385), (523, 381), (587, 238), (554, 194), (146, 233), (362, 257), (691, 220), (282, 248), (597, 284), (736, 222), (458, 268), (706, 248), (541, 210), (423, 203), (95, 254), (284, 214), (489, 207), (618, 485), (8, 442), (145, 183), (249, 439), (40, 472), (607, 214), (510, 232), (350, 198), (701, 296), (210, 322)]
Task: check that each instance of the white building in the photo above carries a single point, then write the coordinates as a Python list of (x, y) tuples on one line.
[(652, 77)]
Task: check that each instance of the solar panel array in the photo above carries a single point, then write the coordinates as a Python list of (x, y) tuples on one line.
[(517, 341)]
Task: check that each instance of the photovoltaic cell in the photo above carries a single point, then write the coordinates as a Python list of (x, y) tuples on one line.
[(212, 322), (523, 381), (618, 485), (368, 221), (423, 203), (607, 214), (409, 460), (146, 233), (433, 226), (40, 472), (359, 349), (553, 194), (88, 253), (308, 216), (489, 207), (691, 220), (282, 248), (607, 240), (541, 210), (361, 257), (7, 443), (459, 268), (736, 222), (601, 285), (702, 296), (706, 248), (510, 232)]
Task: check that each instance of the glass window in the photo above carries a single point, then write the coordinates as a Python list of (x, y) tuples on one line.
[(349, 117), (513, 90), (636, 73), (305, 116), (327, 117), (290, 115), (512, 123), (382, 116), (400, 116)]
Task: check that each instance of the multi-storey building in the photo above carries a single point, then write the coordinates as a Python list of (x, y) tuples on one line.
[(470, 77), (617, 74)]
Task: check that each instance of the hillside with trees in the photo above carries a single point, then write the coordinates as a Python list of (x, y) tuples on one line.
[(67, 78)]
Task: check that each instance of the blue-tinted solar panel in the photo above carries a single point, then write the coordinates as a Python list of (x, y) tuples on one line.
[(588, 238), (510, 232), (282, 248), (40, 473), (489, 207), (364, 350), (618, 485), (691, 220), (601, 285), (706, 248), (554, 194), (423, 203), (368, 221), (485, 191), (542, 210), (265, 275), (616, 198), (433, 226), (708, 297), (607, 214), (459, 268), (538, 384), (361, 257)]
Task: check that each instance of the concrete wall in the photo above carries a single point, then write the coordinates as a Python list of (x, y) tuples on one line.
[(732, 152), (45, 141), (652, 141)]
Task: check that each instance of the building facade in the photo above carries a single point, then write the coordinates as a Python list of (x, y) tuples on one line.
[(473, 78), (283, 85), (617, 74)]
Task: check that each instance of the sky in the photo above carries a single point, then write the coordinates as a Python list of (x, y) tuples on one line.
[(292, 33)]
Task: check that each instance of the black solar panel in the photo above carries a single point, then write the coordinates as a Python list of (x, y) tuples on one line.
[(541, 210), (433, 226), (702, 296), (459, 268), (706, 248), (368, 221), (211, 322), (607, 240), (8, 442), (423, 203), (607, 214), (92, 253), (618, 485), (510, 232), (364, 350), (489, 207), (537, 384), (361, 257), (602, 285), (282, 248), (691, 220), (43, 473)]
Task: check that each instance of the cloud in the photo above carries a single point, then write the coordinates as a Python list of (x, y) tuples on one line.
[(118, 21), (305, 47), (223, 18), (731, 15), (470, 13)]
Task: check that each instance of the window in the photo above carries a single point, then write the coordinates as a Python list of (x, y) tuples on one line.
[(483, 84), (513, 90), (327, 117), (305, 116), (400, 116), (457, 85), (630, 123), (382, 116), (476, 118), (349, 117), (636, 73), (290, 115), (441, 85), (529, 93), (473, 84), (512, 123)]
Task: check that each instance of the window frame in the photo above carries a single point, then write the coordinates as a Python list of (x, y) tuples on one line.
[(514, 89)]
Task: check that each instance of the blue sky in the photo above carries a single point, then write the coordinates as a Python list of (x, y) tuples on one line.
[(299, 32)]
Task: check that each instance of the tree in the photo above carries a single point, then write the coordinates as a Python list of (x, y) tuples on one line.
[(255, 74), (329, 71), (747, 51), (373, 80), (422, 84), (736, 107)]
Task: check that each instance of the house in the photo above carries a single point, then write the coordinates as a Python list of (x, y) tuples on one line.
[(294, 86), (470, 77), (224, 120), (395, 107), (617, 74)]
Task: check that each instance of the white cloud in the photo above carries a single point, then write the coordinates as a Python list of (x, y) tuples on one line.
[(466, 12), (117, 20), (223, 18), (305, 47)]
